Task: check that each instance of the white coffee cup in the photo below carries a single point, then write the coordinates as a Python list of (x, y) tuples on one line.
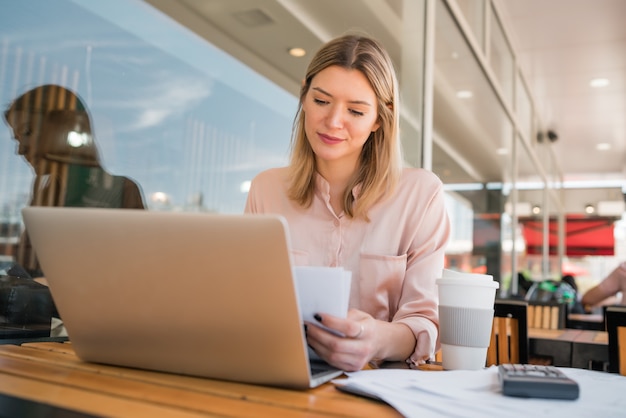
[(466, 303)]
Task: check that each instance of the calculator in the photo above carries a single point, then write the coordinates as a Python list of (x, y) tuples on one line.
[(536, 381)]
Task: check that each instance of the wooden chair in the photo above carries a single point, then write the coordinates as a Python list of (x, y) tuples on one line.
[(547, 315), (509, 334), (616, 327)]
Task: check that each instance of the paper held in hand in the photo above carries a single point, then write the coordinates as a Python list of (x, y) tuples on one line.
[(322, 290)]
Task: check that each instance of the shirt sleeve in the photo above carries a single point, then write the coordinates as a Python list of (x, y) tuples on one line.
[(418, 307)]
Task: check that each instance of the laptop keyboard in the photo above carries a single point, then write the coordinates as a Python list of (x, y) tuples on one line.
[(319, 368)]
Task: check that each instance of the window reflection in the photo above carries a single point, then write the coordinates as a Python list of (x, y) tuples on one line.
[(53, 131), (52, 128), (184, 122)]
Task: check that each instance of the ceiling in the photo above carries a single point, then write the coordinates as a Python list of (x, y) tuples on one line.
[(560, 46)]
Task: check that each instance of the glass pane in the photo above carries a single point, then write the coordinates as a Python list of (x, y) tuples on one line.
[(469, 122), (531, 207), (459, 249), (501, 59), (183, 119), (411, 79), (473, 144), (474, 13)]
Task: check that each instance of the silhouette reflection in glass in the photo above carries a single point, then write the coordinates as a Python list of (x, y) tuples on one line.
[(54, 133)]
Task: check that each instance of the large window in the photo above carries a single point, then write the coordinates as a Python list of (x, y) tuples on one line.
[(181, 118)]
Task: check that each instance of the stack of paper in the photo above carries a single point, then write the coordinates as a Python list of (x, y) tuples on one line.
[(477, 393)]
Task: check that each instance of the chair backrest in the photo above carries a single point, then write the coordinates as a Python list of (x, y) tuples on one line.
[(616, 327), (509, 334), (547, 315)]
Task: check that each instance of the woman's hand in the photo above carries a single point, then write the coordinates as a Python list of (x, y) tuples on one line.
[(359, 339)]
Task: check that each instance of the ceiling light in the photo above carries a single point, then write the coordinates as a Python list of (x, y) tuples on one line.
[(297, 52), (599, 82), (536, 209), (603, 146), (590, 209), (464, 94)]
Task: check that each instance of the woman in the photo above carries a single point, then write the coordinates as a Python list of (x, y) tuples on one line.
[(349, 203)]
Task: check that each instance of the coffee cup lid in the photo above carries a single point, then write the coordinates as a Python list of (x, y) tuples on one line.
[(453, 277), (468, 282)]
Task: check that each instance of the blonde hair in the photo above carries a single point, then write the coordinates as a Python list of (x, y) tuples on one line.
[(380, 163)]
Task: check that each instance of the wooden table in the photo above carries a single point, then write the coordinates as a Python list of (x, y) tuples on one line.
[(50, 374), (590, 350), (570, 347), (586, 321)]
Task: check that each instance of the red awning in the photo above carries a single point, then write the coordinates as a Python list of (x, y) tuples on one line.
[(583, 236)]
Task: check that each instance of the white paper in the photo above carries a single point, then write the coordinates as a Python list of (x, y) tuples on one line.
[(322, 290), (477, 393)]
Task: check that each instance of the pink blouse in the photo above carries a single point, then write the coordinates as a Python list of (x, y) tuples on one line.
[(394, 259)]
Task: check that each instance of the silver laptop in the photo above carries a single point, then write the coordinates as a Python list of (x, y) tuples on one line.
[(208, 295)]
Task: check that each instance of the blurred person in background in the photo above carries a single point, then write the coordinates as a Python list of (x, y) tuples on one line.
[(609, 291)]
